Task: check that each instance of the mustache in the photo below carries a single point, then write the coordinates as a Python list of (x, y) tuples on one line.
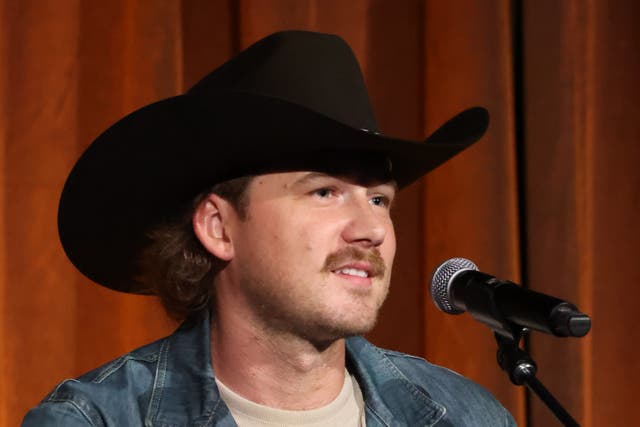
[(349, 254)]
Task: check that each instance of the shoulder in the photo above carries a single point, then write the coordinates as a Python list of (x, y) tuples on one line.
[(464, 401), (463, 398), (440, 380), (122, 386)]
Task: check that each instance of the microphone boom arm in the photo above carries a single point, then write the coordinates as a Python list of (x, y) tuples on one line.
[(522, 370)]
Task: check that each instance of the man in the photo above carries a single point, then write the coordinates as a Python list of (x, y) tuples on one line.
[(257, 207)]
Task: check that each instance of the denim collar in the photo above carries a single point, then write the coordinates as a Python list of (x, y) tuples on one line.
[(391, 399), (184, 391)]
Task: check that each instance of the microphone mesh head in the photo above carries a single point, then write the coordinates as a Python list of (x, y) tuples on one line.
[(441, 281)]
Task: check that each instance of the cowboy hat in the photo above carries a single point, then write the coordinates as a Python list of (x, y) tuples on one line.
[(293, 95)]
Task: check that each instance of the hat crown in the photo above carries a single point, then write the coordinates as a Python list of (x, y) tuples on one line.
[(314, 70)]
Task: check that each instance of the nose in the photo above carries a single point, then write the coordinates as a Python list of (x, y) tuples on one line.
[(368, 225)]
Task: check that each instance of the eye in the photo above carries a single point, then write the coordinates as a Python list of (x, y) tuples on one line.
[(324, 192), (380, 200)]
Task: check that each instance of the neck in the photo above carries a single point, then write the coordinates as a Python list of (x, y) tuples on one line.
[(275, 368)]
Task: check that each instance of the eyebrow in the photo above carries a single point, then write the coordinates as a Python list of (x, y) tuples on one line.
[(310, 177), (314, 176)]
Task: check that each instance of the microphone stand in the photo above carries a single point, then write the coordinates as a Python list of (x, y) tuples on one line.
[(522, 371)]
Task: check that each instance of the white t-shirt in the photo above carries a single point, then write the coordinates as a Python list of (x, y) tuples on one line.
[(347, 410)]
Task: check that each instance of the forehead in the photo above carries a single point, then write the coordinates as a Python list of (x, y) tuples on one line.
[(302, 179)]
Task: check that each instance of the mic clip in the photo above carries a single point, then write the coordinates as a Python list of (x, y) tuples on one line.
[(522, 370)]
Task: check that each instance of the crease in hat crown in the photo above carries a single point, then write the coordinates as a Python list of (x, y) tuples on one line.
[(315, 70)]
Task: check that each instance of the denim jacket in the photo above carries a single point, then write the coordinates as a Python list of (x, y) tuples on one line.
[(170, 383)]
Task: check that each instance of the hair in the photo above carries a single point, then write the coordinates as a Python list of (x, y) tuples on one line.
[(176, 267)]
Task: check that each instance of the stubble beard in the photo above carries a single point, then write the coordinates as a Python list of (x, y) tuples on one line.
[(299, 313)]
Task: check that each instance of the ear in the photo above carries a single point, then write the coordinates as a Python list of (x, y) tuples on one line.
[(211, 222)]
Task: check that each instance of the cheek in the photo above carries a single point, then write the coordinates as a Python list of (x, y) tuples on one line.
[(310, 240), (279, 233), (389, 245)]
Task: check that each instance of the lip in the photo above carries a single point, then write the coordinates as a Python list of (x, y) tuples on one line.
[(356, 280)]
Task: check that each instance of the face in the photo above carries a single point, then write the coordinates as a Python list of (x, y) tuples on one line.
[(313, 256)]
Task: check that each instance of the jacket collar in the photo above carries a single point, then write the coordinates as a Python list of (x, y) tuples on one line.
[(391, 399), (184, 391)]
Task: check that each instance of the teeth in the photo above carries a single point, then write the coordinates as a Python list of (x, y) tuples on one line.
[(353, 272)]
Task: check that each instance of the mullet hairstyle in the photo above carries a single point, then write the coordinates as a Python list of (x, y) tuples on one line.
[(176, 267)]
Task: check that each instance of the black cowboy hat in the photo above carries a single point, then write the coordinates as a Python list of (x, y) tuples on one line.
[(293, 95)]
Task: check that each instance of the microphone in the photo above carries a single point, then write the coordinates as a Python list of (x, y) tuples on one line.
[(457, 286)]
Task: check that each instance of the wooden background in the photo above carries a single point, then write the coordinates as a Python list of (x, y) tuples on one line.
[(549, 198)]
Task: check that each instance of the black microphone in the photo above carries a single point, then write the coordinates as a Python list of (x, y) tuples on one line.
[(457, 286)]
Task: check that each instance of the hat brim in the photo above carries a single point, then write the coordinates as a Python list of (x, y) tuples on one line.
[(156, 159)]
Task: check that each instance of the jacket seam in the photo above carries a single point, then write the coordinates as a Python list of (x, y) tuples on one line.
[(158, 383), (119, 363), (373, 412), (392, 353), (412, 388), (212, 413), (52, 396), (74, 405)]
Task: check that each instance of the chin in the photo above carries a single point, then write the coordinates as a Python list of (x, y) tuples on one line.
[(334, 331)]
